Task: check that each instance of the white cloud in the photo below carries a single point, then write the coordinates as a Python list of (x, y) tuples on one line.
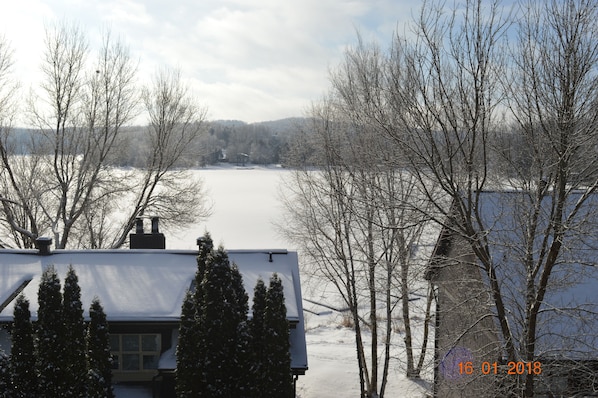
[(125, 12), (250, 60)]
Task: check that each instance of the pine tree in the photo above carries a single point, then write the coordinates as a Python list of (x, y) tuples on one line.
[(241, 360), (187, 375), (278, 362), (204, 256), (98, 353), (213, 351), (22, 359), (75, 364), (190, 353), (50, 336), (5, 390), (219, 326), (222, 317), (257, 337)]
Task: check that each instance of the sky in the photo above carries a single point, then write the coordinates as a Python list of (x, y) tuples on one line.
[(250, 60)]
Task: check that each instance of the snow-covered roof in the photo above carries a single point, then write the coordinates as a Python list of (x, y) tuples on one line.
[(138, 285), (147, 285), (142, 285), (567, 320)]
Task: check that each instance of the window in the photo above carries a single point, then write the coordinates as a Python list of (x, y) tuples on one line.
[(135, 352)]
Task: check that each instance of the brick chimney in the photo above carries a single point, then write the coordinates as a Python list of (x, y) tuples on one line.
[(142, 240)]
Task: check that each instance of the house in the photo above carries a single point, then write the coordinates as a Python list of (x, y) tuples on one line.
[(142, 291), (469, 356)]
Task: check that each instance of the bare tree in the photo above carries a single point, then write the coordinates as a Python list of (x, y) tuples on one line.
[(445, 91), (361, 86), (47, 204), (353, 218), (66, 186), (175, 121), (8, 87), (8, 111), (553, 95), (444, 94)]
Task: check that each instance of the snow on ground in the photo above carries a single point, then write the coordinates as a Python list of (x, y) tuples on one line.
[(245, 208), (333, 368), (331, 352)]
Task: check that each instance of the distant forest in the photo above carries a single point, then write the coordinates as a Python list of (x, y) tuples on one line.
[(230, 141)]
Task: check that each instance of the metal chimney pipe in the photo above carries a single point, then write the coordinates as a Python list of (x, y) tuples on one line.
[(155, 225), (139, 225)]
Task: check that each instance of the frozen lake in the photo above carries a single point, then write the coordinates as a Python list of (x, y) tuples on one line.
[(245, 205)]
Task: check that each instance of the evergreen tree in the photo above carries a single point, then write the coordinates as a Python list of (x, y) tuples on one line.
[(22, 360), (257, 340), (277, 364), (5, 390), (219, 327), (50, 336), (187, 375), (204, 256), (213, 347), (98, 353), (241, 361), (75, 364), (221, 318), (190, 378)]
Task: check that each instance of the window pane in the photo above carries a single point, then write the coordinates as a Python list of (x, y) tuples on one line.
[(130, 361), (114, 342), (130, 342), (149, 342), (150, 362), (115, 361)]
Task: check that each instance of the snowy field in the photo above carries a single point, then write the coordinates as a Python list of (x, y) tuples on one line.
[(246, 207)]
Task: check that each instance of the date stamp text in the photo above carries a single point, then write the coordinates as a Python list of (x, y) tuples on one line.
[(512, 368)]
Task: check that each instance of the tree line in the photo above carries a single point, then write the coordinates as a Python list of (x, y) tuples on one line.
[(241, 143), (219, 141), (477, 97), (222, 353), (222, 141), (59, 354)]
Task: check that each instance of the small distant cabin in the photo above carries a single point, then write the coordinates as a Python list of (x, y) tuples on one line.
[(142, 291)]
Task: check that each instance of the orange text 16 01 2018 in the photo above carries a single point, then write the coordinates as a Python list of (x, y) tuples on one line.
[(512, 368)]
